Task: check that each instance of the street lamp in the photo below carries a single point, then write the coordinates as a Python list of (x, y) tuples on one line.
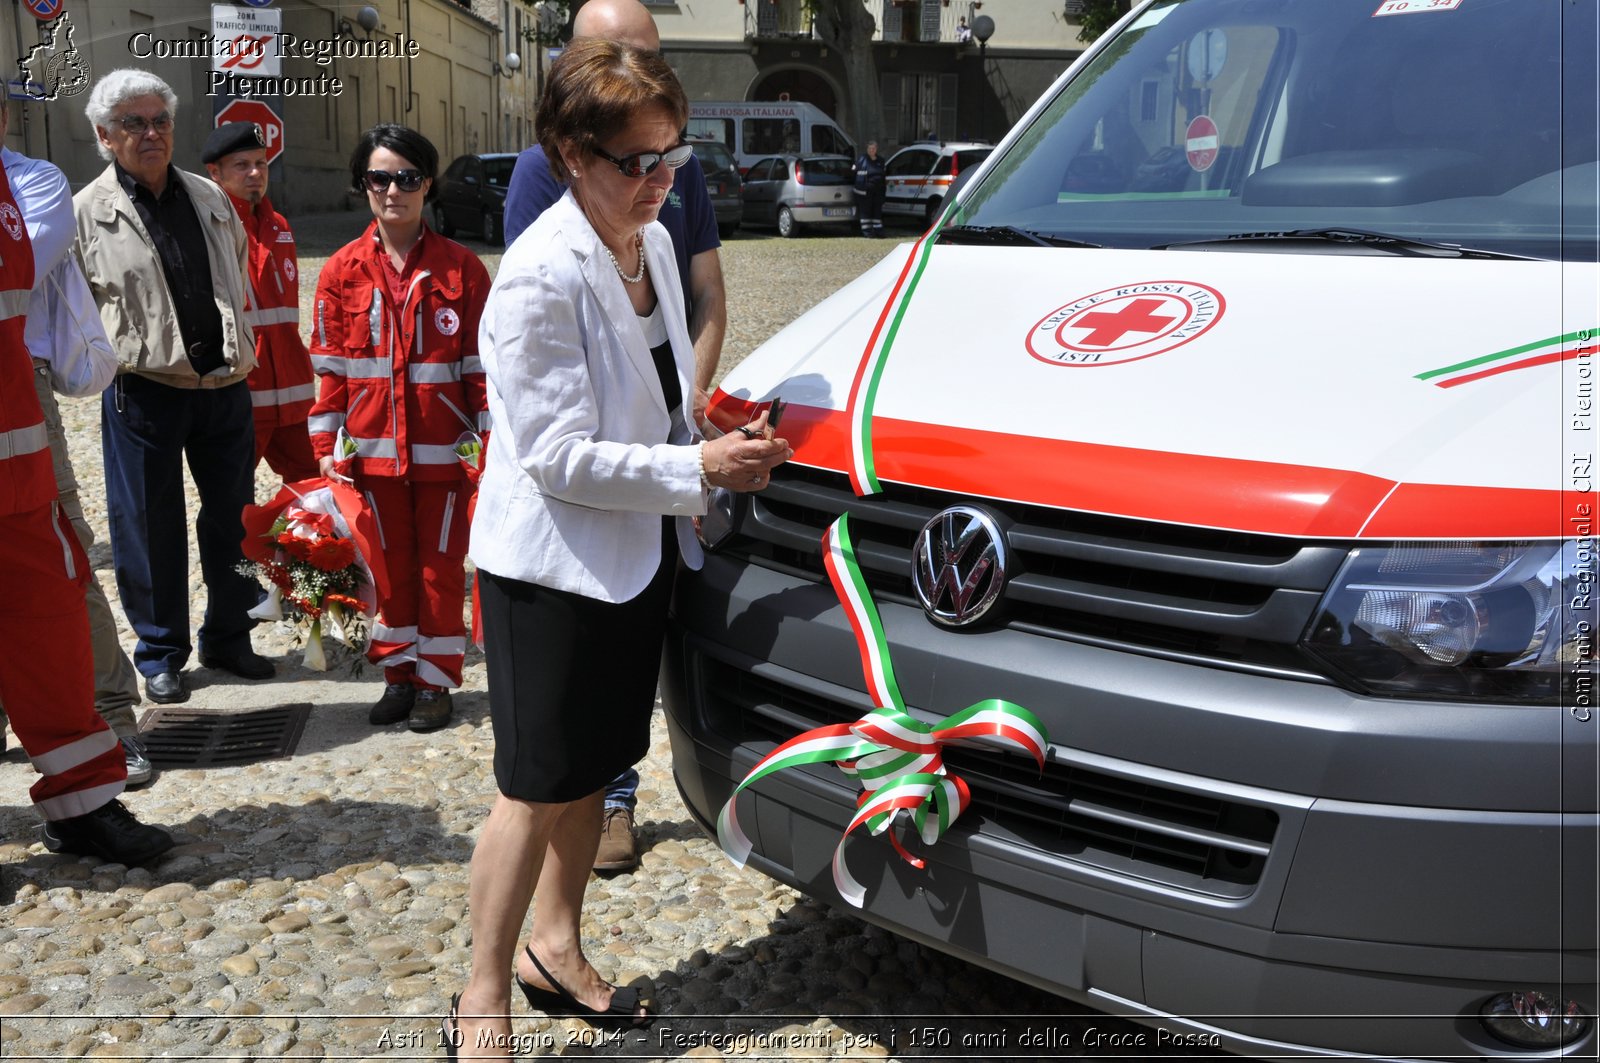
[(367, 18), (983, 29)]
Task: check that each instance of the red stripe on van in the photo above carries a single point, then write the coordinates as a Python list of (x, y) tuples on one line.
[(1271, 498)]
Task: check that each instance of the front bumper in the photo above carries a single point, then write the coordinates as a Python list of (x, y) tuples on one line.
[(1370, 885)]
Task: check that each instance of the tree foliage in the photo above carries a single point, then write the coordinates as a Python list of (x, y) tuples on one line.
[(1099, 16)]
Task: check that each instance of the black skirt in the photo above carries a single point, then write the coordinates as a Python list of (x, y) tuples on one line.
[(572, 681)]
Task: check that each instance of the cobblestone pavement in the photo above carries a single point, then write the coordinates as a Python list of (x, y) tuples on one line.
[(316, 906)]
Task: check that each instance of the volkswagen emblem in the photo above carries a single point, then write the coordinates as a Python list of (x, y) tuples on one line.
[(959, 566)]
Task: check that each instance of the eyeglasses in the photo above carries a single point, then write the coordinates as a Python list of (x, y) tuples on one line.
[(644, 163), (137, 125), (408, 180)]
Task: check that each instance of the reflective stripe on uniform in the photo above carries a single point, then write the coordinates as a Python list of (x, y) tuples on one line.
[(278, 315), (433, 372), (374, 448), (367, 369), (393, 636), (442, 645), (283, 396), (324, 422), (444, 535), (14, 303), (23, 441), (63, 759), (352, 368), (431, 454), (472, 364), (484, 420), (79, 802), (69, 560), (431, 674)]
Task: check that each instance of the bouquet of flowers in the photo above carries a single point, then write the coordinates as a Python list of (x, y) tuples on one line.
[(312, 545)]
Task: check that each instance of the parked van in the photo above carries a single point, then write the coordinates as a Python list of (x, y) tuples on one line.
[(757, 129), (1237, 420)]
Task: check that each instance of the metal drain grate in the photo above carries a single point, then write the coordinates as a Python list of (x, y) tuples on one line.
[(195, 738)]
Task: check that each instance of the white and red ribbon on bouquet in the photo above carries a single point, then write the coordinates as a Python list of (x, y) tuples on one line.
[(897, 758), (315, 510)]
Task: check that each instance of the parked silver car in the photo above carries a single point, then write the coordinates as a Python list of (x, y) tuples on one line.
[(793, 191)]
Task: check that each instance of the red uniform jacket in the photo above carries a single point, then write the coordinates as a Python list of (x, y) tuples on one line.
[(282, 386), (27, 477), (403, 381)]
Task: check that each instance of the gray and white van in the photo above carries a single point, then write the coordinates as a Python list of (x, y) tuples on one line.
[(757, 129), (1237, 419)]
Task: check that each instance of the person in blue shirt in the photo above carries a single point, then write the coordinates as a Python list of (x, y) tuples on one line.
[(690, 221)]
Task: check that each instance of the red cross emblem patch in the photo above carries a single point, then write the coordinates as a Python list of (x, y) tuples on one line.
[(1125, 323)]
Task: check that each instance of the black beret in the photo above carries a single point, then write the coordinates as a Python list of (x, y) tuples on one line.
[(229, 138)]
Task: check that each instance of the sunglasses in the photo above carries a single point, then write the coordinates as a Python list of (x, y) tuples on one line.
[(644, 163), (137, 125), (408, 180)]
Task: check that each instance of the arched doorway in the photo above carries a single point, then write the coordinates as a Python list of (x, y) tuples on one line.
[(801, 86)]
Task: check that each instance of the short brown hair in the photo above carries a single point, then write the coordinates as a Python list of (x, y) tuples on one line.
[(596, 88)]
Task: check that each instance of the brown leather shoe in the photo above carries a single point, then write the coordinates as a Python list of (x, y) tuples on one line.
[(617, 851), (431, 710)]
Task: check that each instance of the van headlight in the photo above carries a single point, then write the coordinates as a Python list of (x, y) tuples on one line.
[(1510, 621)]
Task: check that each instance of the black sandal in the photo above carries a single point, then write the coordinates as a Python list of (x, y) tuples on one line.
[(622, 1011), (450, 1028)]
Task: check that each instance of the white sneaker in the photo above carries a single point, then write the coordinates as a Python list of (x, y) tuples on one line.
[(140, 770)]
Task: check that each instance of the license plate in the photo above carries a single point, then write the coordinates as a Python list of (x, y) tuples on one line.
[(836, 212)]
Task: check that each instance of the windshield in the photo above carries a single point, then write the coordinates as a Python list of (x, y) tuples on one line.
[(714, 158), (828, 171), (498, 171), (1454, 121)]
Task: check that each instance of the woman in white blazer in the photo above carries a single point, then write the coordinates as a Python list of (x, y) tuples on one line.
[(595, 467)]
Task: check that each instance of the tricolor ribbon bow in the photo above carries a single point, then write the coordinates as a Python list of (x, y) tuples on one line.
[(897, 758)]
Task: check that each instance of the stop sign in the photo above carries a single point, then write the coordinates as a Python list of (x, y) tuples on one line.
[(265, 118)]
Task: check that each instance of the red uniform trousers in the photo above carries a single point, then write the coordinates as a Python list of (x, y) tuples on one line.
[(287, 448), (46, 666), (419, 635)]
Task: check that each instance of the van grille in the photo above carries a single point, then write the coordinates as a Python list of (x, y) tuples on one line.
[(1122, 825), (1226, 597)]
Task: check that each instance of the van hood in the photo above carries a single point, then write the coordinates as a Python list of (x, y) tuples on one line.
[(1307, 395)]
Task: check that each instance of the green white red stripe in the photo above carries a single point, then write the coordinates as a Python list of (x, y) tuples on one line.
[(897, 758), (839, 558), (864, 388), (1527, 356)]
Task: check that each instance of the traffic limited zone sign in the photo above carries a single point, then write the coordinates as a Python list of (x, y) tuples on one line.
[(265, 118)]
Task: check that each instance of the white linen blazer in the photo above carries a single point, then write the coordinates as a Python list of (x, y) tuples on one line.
[(584, 456)]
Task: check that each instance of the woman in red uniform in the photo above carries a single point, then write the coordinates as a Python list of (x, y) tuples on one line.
[(395, 342)]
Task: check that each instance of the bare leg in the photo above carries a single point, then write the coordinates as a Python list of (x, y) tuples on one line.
[(506, 863), (555, 937)]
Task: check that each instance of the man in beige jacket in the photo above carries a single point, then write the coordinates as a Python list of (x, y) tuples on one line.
[(164, 254)]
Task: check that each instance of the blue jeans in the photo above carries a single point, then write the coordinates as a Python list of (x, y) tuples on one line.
[(623, 791), (148, 430)]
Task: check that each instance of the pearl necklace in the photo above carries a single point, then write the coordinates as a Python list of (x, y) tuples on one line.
[(638, 241)]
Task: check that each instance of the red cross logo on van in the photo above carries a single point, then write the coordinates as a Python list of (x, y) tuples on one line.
[(1125, 323)]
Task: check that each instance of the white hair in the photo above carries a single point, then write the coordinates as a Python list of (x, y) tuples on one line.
[(117, 88)]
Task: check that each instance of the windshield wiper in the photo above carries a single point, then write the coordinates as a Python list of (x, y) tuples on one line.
[(1400, 245), (1007, 235)]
